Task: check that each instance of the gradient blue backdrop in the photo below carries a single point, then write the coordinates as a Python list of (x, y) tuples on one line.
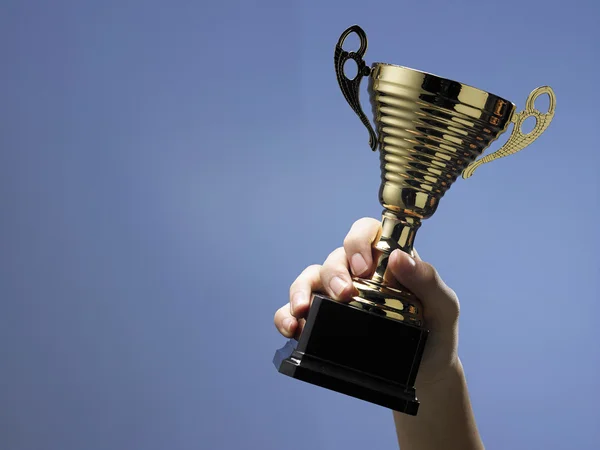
[(168, 168)]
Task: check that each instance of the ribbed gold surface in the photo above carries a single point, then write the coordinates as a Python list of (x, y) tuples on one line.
[(429, 130)]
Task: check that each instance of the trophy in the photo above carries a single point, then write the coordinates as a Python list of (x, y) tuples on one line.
[(429, 130)]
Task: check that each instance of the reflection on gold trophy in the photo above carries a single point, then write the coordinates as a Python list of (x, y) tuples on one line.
[(429, 130)]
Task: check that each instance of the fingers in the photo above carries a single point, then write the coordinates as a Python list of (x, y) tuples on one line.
[(285, 322), (335, 276), (308, 281), (287, 317), (358, 245), (439, 301), (417, 257)]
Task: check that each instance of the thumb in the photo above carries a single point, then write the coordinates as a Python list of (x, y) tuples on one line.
[(440, 303)]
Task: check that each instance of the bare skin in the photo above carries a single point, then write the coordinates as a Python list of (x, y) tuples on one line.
[(445, 419)]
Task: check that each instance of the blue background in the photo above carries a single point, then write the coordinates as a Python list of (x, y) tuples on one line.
[(168, 168)]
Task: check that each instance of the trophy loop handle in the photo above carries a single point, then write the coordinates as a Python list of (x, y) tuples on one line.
[(519, 140), (350, 88)]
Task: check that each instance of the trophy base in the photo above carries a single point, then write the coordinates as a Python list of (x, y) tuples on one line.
[(357, 353)]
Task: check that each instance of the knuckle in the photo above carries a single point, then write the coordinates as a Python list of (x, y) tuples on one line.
[(431, 276), (362, 234), (295, 286), (309, 273), (323, 272), (453, 306), (334, 256), (366, 222), (355, 241), (354, 244), (429, 273), (277, 316), (348, 240), (305, 277), (328, 272), (312, 269)]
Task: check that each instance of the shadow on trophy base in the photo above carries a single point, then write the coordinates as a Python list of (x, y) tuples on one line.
[(357, 353)]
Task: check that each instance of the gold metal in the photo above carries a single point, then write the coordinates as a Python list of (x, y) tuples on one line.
[(429, 130), (519, 140)]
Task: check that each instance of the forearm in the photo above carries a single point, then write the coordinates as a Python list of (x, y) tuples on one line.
[(445, 419)]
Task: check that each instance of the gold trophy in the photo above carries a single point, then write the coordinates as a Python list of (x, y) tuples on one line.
[(429, 131)]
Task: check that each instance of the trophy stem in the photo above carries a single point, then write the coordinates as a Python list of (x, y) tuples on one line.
[(374, 294), (398, 231)]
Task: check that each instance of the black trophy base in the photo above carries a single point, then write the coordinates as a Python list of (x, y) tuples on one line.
[(357, 353)]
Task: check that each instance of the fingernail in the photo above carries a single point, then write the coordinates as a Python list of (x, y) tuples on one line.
[(287, 324), (358, 263), (297, 301), (337, 285)]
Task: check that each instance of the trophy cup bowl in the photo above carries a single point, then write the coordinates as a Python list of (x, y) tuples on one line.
[(429, 130)]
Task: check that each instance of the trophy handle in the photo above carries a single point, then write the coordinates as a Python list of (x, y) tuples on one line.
[(350, 88), (519, 140)]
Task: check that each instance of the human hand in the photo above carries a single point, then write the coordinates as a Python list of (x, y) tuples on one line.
[(358, 257)]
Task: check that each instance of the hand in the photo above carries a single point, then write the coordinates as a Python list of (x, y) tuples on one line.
[(358, 258)]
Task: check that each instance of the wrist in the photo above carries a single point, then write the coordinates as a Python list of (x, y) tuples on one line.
[(447, 373), (445, 419)]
